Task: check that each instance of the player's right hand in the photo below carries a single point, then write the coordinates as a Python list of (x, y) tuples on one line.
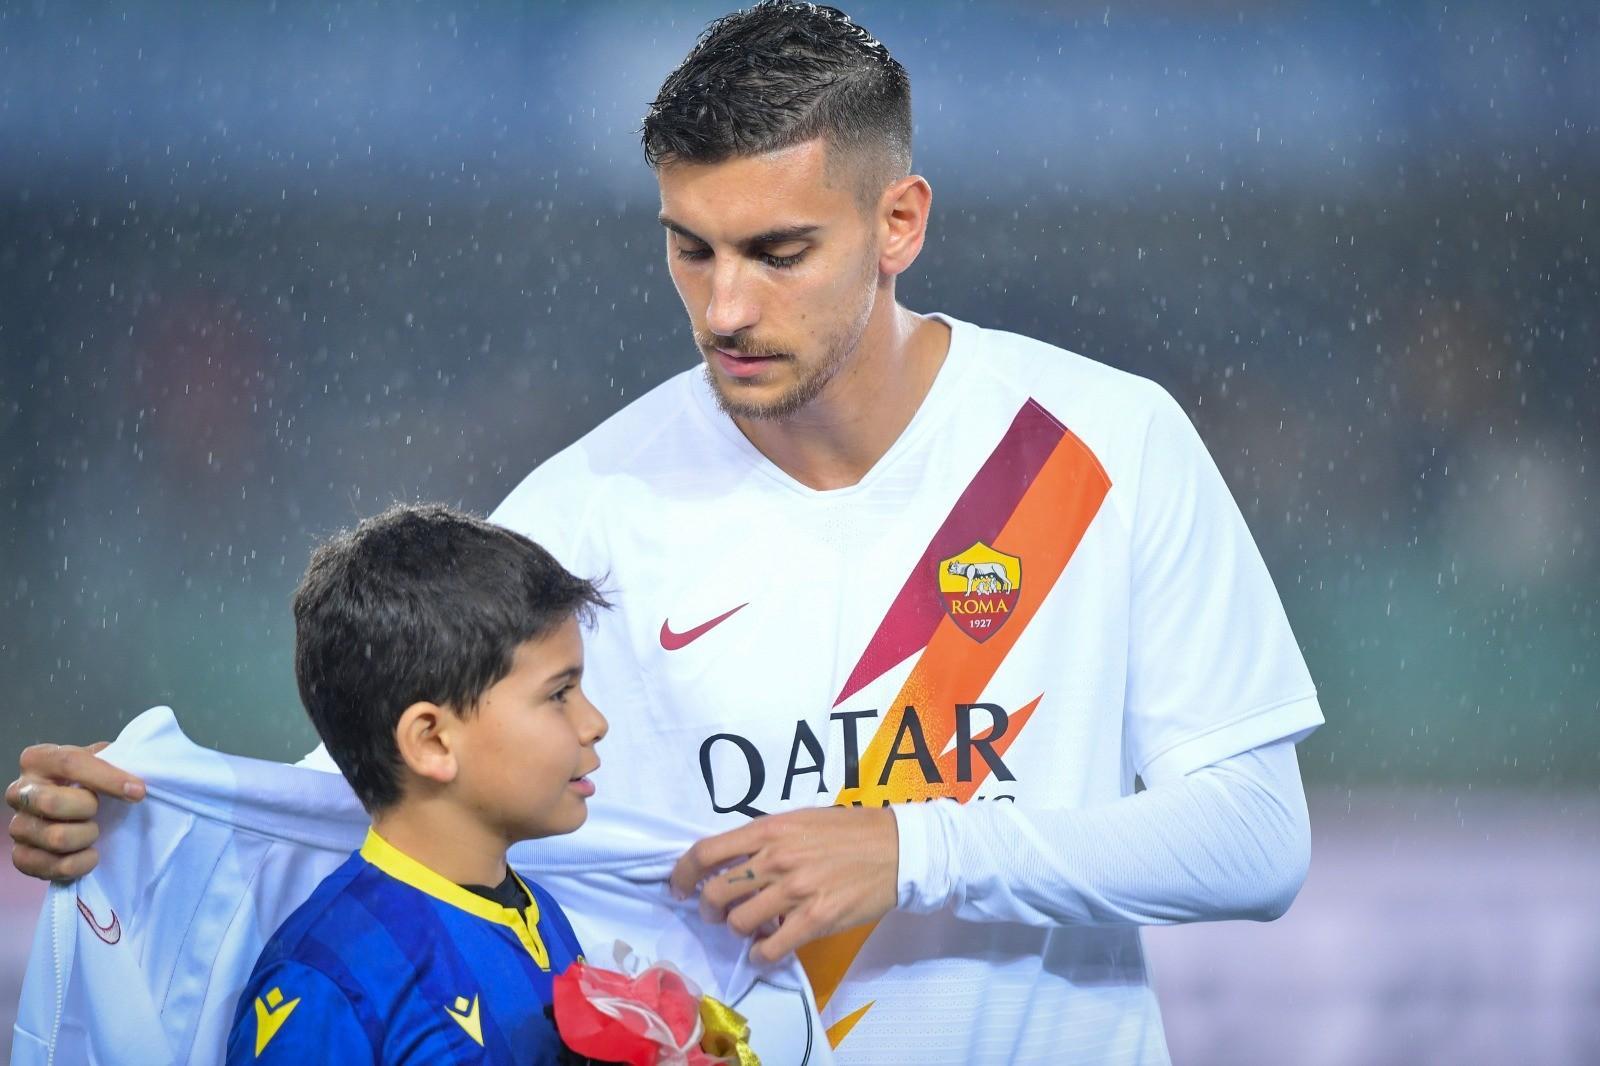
[(56, 798)]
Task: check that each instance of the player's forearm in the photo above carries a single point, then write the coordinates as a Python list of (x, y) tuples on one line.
[(1231, 840)]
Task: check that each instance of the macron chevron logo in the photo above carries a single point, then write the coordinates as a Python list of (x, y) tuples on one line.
[(468, 1018)]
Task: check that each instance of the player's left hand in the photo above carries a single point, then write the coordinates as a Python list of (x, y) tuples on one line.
[(808, 873)]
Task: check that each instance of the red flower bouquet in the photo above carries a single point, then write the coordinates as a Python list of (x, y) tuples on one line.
[(656, 1017)]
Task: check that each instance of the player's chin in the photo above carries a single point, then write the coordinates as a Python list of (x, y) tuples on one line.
[(757, 400)]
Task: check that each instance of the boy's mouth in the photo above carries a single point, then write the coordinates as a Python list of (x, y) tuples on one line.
[(582, 785)]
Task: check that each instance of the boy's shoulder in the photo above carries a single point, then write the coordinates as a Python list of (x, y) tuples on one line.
[(325, 908), (308, 987), (325, 932)]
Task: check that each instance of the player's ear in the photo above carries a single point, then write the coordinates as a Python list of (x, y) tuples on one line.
[(903, 223), (426, 741)]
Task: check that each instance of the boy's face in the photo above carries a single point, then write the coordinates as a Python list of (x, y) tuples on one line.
[(524, 755)]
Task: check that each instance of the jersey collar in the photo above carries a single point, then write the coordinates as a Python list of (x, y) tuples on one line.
[(402, 867)]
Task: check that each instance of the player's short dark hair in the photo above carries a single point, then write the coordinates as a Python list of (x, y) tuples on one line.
[(779, 74), (420, 603)]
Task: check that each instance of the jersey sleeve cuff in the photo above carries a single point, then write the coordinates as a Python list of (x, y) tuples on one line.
[(925, 882), (1295, 717)]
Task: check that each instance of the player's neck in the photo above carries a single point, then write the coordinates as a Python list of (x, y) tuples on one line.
[(437, 835), (843, 433)]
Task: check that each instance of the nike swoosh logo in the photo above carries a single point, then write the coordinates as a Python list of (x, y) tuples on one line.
[(109, 933), (673, 641)]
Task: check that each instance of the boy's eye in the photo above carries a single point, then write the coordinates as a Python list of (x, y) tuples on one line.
[(694, 254), (560, 694)]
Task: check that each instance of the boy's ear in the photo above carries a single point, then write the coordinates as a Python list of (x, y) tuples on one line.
[(426, 741)]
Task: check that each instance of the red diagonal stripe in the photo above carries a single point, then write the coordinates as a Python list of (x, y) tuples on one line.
[(979, 514)]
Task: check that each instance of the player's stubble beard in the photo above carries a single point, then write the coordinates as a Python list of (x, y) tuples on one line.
[(837, 348)]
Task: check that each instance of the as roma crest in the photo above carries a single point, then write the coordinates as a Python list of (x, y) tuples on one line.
[(980, 589)]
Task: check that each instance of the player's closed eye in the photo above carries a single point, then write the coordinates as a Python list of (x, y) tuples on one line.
[(777, 262)]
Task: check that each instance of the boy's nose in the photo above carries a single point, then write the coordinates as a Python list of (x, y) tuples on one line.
[(596, 727)]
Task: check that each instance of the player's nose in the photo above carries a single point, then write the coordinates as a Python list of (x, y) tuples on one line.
[(732, 307)]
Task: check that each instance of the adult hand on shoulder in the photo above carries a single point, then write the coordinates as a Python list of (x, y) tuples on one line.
[(56, 799), (809, 873)]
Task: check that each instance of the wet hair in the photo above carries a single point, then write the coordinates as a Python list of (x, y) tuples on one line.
[(420, 603), (779, 74)]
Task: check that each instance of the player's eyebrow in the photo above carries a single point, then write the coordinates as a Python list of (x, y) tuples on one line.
[(781, 235)]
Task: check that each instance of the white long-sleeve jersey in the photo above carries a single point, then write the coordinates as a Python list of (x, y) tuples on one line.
[(1042, 589)]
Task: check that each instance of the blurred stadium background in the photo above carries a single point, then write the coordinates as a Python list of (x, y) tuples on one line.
[(265, 267)]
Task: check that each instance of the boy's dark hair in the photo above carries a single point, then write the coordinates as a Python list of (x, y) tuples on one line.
[(779, 74), (421, 603)]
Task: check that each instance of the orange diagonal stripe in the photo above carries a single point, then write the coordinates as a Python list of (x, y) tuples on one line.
[(825, 961), (1044, 530), (841, 1028)]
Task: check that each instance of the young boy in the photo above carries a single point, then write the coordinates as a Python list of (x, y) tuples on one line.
[(439, 658)]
